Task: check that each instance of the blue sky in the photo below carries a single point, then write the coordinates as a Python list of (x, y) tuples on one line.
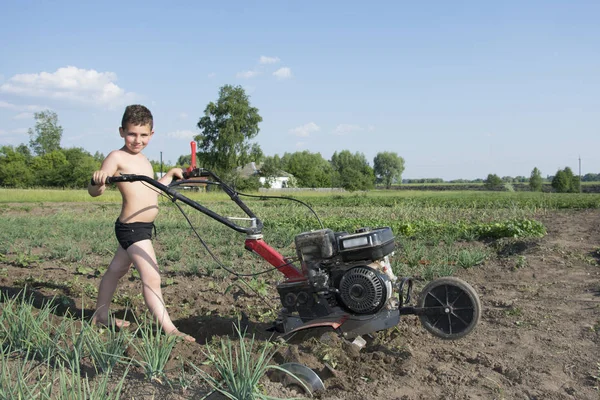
[(458, 89)]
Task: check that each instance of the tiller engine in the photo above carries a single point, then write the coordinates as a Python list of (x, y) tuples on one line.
[(348, 284)]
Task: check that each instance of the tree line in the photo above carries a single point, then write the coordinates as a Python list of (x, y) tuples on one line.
[(44, 163), (225, 145), (564, 181)]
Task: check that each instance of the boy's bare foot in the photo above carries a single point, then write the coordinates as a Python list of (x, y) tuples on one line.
[(184, 336), (116, 322)]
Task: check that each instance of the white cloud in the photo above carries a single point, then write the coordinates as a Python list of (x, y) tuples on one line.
[(344, 129), (27, 107), (371, 128), (246, 74), (305, 130), (4, 104), (300, 145), (70, 83), (182, 134), (212, 75), (183, 115), (268, 60), (283, 73), (23, 115), (2, 132)]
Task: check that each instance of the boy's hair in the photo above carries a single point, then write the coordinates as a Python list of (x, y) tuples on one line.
[(137, 114)]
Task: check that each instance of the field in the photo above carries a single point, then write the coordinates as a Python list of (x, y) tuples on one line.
[(532, 257)]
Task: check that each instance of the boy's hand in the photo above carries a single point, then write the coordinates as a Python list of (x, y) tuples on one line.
[(176, 173), (99, 178), (172, 174)]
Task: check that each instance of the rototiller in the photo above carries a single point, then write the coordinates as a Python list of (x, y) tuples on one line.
[(344, 280)]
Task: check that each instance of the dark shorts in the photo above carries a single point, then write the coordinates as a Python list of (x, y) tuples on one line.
[(128, 234)]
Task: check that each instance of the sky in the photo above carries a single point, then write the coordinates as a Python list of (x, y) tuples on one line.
[(458, 89)]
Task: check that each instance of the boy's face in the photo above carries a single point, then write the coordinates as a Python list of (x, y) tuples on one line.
[(136, 137)]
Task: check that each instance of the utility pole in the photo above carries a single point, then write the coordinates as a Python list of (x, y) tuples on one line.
[(161, 165)]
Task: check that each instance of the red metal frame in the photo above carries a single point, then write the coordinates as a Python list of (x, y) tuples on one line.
[(193, 160), (256, 245), (274, 258)]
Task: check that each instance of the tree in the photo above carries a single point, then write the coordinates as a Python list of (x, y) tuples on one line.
[(227, 126), (256, 154), (14, 168), (184, 161), (388, 167), (565, 181), (535, 180), (45, 137), (48, 169), (352, 171), (270, 169), (492, 181), (24, 150), (521, 179), (574, 182), (576, 185), (589, 177), (561, 182), (99, 157), (79, 168), (311, 170)]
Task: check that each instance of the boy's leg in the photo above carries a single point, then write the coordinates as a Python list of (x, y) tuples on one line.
[(143, 257), (118, 267)]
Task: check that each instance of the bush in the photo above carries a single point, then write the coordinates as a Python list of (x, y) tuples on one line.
[(535, 180), (565, 182), (493, 182)]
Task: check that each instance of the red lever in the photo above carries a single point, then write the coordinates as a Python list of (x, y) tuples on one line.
[(193, 163)]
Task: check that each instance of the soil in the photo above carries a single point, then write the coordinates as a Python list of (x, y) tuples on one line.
[(538, 338)]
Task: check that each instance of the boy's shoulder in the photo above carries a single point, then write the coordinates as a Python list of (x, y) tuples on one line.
[(126, 162), (121, 154)]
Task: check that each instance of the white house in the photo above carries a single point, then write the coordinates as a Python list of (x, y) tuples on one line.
[(278, 182)]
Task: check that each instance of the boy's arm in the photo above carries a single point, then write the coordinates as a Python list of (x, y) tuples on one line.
[(173, 173), (109, 168)]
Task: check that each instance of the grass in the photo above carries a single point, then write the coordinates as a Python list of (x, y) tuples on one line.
[(41, 359), (427, 225), (471, 257), (72, 386), (107, 348), (154, 350), (34, 367), (596, 377), (19, 377), (240, 367)]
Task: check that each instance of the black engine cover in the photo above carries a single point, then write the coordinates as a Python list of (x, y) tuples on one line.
[(363, 290), (302, 298)]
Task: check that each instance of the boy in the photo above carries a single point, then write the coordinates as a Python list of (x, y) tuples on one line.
[(134, 226)]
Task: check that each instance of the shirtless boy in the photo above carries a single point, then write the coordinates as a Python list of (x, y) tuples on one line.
[(135, 224)]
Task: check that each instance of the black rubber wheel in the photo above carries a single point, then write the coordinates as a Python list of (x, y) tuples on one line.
[(458, 304)]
